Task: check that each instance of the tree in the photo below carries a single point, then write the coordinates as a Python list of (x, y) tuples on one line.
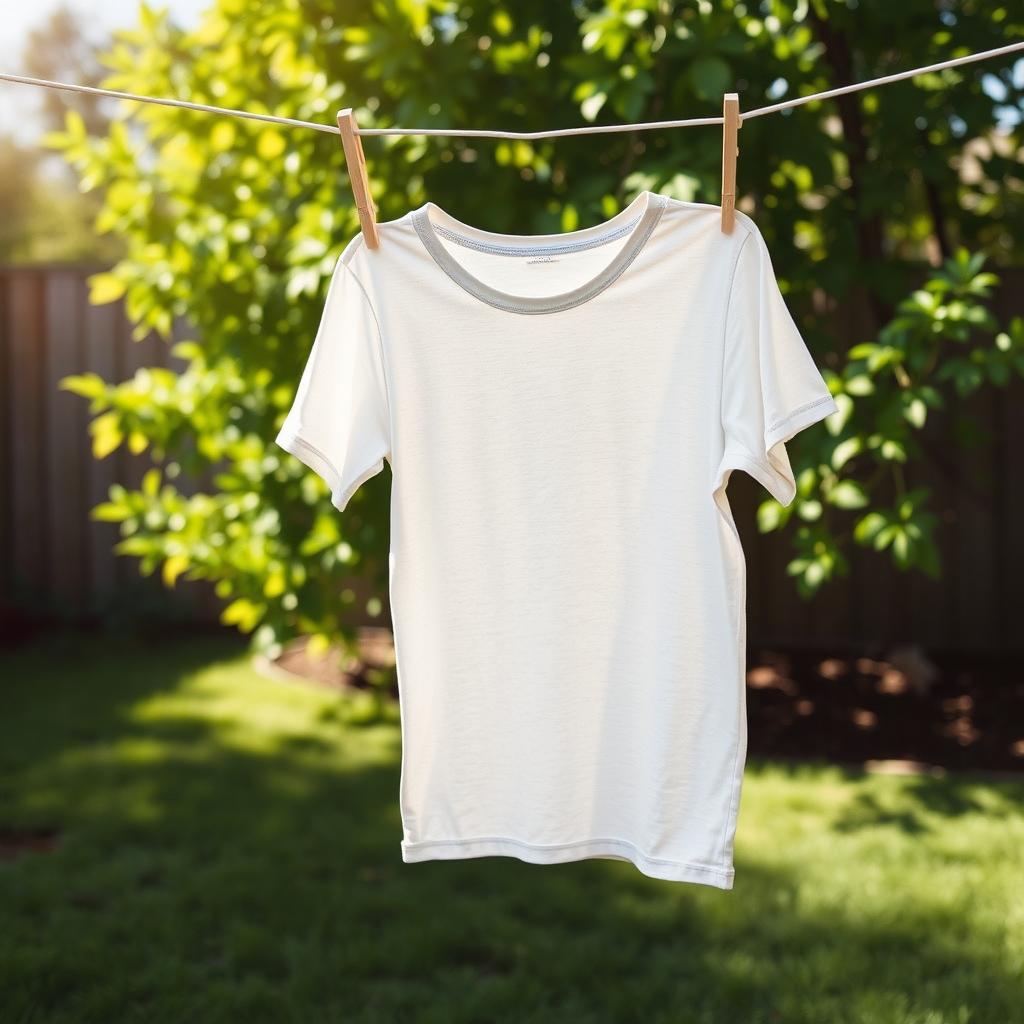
[(43, 215), (61, 50), (237, 225)]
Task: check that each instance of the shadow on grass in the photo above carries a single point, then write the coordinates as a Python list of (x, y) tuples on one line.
[(202, 879), (947, 798), (919, 798)]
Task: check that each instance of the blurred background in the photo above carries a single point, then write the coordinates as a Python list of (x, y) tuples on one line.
[(200, 734)]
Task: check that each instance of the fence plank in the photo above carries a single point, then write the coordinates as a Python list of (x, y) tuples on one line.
[(65, 510), (102, 337), (976, 535), (27, 498), (6, 473)]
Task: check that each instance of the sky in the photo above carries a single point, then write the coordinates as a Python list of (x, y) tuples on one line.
[(17, 102)]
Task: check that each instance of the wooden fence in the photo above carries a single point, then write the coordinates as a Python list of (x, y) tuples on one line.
[(53, 557)]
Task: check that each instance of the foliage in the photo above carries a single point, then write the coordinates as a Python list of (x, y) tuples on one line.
[(235, 225), (942, 338)]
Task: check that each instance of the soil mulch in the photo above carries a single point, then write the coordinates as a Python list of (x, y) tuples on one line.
[(960, 714), (907, 709)]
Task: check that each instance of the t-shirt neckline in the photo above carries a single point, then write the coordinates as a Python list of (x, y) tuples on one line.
[(637, 220)]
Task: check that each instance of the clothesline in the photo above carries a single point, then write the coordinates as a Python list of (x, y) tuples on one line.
[(485, 133)]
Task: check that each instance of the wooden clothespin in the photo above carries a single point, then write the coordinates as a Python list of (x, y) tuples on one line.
[(730, 149), (357, 175)]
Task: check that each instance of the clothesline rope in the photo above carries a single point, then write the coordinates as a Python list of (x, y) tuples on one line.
[(485, 133)]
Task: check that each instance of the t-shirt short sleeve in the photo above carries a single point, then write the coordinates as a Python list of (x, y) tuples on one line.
[(339, 422), (771, 387)]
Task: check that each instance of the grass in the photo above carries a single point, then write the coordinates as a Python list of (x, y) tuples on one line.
[(229, 851)]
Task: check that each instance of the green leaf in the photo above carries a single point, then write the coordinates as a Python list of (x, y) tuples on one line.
[(173, 567), (770, 515), (835, 422), (501, 21), (915, 412), (863, 350), (848, 494), (845, 450), (242, 613), (318, 645), (105, 288), (106, 434), (222, 135), (861, 384), (275, 584), (271, 144), (88, 385), (868, 527), (109, 512), (189, 350), (901, 547), (883, 356), (74, 124), (886, 535), (592, 105), (814, 574), (893, 451)]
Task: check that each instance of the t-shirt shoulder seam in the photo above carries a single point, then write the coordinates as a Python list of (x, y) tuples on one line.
[(352, 248), (358, 241), (745, 221)]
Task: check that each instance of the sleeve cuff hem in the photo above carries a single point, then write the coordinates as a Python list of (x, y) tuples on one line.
[(314, 459), (789, 426)]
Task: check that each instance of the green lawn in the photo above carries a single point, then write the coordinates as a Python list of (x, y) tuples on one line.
[(230, 853)]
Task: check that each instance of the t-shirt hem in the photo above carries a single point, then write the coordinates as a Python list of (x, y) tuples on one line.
[(719, 877)]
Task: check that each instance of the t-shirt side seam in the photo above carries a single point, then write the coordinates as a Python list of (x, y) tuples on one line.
[(345, 259), (740, 640)]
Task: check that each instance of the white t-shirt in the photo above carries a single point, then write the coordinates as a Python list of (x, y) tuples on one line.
[(561, 414)]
